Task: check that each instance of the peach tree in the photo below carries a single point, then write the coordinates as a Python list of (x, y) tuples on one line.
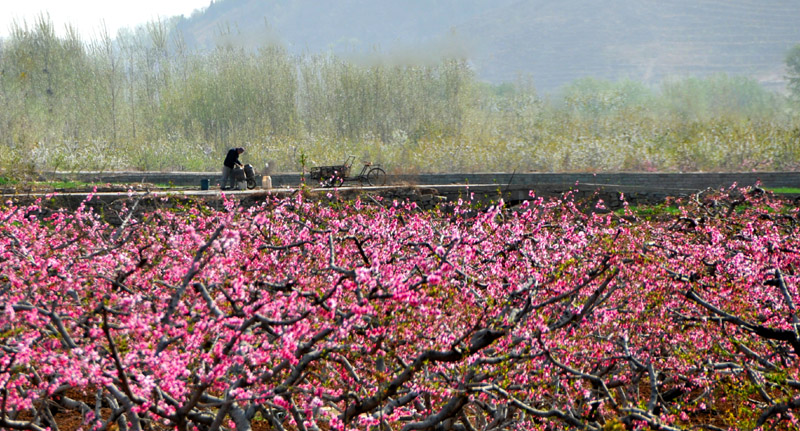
[(301, 315)]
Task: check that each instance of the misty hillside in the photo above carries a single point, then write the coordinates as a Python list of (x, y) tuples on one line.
[(553, 42)]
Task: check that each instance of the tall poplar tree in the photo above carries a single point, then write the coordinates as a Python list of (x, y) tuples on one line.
[(793, 71)]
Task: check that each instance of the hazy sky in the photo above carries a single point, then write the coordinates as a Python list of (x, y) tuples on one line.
[(87, 15)]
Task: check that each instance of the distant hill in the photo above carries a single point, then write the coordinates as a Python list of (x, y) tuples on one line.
[(553, 42)]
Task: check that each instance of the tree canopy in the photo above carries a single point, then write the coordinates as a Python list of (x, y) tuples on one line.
[(793, 71)]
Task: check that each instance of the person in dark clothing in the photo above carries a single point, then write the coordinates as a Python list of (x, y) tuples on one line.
[(231, 161)]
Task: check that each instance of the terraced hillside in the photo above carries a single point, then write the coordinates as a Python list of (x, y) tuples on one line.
[(554, 42), (644, 40)]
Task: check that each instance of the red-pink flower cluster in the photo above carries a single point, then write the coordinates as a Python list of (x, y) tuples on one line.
[(344, 316)]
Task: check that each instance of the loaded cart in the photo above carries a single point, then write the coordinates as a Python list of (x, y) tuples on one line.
[(246, 176), (336, 175)]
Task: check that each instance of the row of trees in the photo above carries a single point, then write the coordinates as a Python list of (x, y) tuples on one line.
[(144, 100), (145, 86), (300, 315)]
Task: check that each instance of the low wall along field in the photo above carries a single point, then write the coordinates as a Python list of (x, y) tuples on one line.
[(652, 181), (427, 190)]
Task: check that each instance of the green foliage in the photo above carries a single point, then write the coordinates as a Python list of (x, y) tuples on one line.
[(787, 190), (593, 97), (651, 212), (718, 96), (143, 101), (793, 71)]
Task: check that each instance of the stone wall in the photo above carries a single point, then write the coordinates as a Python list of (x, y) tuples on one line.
[(678, 182), (692, 181), (427, 191)]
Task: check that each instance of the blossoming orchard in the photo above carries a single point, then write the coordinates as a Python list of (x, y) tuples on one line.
[(355, 315)]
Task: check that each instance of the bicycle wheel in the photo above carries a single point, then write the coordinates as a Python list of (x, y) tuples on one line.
[(376, 177)]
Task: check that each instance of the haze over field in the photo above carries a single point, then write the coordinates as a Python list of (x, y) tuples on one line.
[(420, 86), (552, 43)]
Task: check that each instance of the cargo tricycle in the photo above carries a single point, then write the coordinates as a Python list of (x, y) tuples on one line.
[(336, 175)]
